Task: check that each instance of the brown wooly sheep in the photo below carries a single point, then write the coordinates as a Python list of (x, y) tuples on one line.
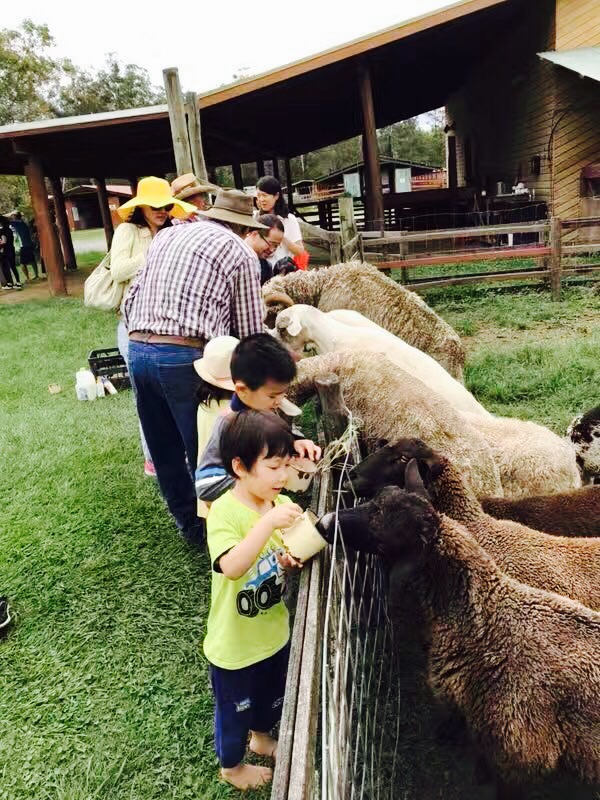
[(521, 664), (570, 567), (574, 513), (391, 403), (360, 287)]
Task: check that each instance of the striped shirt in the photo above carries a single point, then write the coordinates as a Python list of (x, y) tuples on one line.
[(199, 280)]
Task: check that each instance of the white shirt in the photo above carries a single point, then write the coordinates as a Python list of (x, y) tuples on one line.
[(292, 232)]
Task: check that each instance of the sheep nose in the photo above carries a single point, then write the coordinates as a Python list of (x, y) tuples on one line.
[(326, 526)]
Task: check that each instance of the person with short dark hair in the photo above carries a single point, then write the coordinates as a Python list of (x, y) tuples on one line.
[(261, 370), (247, 632), (7, 255), (269, 200), (26, 252), (265, 243)]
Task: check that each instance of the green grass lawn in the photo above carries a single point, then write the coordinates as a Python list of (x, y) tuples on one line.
[(103, 689)]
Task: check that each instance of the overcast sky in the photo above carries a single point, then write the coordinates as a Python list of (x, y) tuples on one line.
[(208, 40)]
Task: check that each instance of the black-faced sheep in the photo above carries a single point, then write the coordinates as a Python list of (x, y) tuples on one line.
[(391, 404), (575, 513), (521, 664), (570, 567), (363, 288), (584, 435)]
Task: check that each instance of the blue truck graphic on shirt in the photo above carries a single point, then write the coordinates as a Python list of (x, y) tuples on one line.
[(264, 589)]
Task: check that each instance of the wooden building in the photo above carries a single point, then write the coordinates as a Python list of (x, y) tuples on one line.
[(508, 71), (396, 175), (82, 205)]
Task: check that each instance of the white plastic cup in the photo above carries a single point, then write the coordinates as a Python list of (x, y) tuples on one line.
[(302, 539)]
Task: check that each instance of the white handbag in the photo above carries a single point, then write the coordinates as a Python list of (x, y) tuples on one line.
[(100, 290)]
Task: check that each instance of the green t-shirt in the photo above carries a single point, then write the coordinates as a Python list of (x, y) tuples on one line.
[(248, 620)]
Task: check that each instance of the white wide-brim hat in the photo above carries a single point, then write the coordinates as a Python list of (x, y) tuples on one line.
[(215, 365)]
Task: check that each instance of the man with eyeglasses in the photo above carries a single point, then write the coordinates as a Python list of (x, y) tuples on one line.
[(265, 242)]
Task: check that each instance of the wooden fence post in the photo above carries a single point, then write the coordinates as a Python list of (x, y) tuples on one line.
[(335, 248), (194, 131), (334, 412), (179, 134), (556, 257), (348, 230)]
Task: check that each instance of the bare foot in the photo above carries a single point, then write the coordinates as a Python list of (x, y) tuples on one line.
[(263, 745), (247, 776)]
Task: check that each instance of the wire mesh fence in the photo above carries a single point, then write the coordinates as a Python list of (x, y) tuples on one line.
[(340, 723)]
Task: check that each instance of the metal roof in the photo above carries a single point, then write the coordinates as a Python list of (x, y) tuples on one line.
[(584, 60)]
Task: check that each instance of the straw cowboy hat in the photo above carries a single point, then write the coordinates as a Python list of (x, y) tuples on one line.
[(188, 185), (234, 206), (155, 192), (215, 368)]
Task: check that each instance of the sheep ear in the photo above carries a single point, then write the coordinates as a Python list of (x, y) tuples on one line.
[(381, 443), (412, 480), (294, 327)]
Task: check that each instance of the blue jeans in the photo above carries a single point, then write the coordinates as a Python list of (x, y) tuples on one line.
[(123, 345), (165, 385)]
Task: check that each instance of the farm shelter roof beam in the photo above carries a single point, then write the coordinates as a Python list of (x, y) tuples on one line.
[(414, 66), (585, 61)]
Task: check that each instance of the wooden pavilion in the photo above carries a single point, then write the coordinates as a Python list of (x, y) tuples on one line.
[(476, 57)]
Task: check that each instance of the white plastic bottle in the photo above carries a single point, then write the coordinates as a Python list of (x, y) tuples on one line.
[(85, 378), (80, 388)]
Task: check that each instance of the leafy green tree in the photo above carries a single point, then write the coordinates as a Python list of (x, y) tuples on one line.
[(113, 87), (29, 74)]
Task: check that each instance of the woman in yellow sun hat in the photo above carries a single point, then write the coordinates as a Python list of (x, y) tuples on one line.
[(143, 217)]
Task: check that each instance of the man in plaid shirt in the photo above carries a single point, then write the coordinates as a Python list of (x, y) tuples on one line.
[(200, 281)]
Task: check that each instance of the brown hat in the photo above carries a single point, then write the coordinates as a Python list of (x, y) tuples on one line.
[(188, 185), (234, 206)]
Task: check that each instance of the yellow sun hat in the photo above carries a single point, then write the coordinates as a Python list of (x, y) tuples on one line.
[(157, 193)]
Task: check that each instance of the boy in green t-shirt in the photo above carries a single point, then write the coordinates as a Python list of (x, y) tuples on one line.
[(248, 627)]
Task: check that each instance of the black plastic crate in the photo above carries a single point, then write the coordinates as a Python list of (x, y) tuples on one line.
[(109, 363)]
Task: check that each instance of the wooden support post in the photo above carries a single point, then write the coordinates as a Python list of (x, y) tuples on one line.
[(452, 164), (288, 182), (556, 257), (238, 180), (47, 232), (275, 162), (348, 230), (179, 134), (133, 182), (192, 115), (62, 223), (334, 410), (100, 184), (335, 249), (260, 169), (374, 193)]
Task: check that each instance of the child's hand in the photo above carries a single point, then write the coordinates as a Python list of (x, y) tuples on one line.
[(287, 561), (283, 516), (307, 449)]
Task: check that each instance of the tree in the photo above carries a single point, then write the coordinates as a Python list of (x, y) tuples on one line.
[(29, 76), (114, 87)]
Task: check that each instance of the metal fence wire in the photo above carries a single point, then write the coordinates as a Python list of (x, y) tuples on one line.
[(341, 717), (360, 692)]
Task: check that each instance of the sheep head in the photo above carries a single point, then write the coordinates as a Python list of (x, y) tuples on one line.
[(396, 525), (275, 301), (584, 433), (388, 466), (290, 328)]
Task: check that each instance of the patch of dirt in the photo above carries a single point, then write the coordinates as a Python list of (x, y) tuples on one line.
[(40, 290), (539, 333)]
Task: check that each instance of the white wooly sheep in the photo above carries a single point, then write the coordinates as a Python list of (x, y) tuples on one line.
[(302, 327)]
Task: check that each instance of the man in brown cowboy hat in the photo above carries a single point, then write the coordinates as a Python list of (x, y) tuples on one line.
[(200, 281), (189, 187)]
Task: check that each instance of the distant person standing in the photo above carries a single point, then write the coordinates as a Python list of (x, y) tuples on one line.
[(27, 252), (143, 217), (270, 201), (200, 281), (7, 255)]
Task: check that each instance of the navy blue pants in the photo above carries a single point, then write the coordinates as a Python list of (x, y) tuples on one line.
[(248, 699), (165, 385)]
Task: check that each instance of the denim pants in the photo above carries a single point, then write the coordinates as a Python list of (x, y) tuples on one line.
[(165, 385), (123, 345)]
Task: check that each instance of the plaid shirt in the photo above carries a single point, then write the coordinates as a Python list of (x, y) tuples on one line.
[(199, 280)]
